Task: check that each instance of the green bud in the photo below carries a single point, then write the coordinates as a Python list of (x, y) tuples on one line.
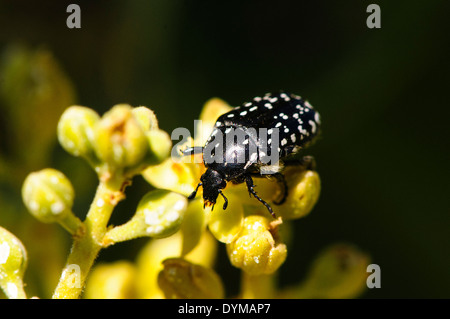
[(76, 131), (160, 146), (181, 279), (159, 214), (304, 191), (48, 195), (13, 262), (146, 118), (340, 271), (119, 139), (34, 91)]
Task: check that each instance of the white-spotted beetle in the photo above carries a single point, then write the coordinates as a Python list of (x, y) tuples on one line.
[(290, 124)]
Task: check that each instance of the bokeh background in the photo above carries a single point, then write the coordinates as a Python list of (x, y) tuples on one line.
[(383, 95)]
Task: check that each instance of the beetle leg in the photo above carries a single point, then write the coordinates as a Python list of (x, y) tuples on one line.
[(194, 193), (250, 186), (284, 188), (280, 180), (225, 199)]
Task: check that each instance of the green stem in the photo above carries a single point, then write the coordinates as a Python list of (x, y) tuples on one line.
[(86, 247), (257, 287), (72, 224)]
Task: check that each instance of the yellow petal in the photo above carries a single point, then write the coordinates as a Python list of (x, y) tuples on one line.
[(225, 225), (178, 177), (212, 109), (193, 226), (112, 281)]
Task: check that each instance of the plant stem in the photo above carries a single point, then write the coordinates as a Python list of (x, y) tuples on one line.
[(86, 247), (257, 287)]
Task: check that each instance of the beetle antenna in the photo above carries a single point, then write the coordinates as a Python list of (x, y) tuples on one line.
[(226, 200), (194, 193)]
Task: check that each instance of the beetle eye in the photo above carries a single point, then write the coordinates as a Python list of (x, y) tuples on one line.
[(223, 184)]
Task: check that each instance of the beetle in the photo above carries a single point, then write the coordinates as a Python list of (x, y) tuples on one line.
[(290, 124)]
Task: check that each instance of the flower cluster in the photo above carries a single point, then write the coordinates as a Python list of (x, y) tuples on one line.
[(118, 145), (178, 261)]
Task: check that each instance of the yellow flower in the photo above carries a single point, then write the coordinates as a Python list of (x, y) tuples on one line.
[(182, 176)]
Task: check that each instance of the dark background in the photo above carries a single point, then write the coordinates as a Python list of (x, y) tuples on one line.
[(382, 94)]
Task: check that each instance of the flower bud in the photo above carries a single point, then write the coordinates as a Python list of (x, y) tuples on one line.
[(338, 272), (151, 256), (48, 195), (13, 262), (303, 193), (256, 249), (111, 281), (159, 214), (160, 146), (181, 279), (76, 131), (119, 139), (146, 118)]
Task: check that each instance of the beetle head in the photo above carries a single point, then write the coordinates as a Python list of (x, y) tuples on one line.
[(213, 183)]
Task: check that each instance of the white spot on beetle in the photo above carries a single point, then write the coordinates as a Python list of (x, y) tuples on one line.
[(317, 118), (243, 113), (313, 126), (253, 109), (283, 142), (230, 115)]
